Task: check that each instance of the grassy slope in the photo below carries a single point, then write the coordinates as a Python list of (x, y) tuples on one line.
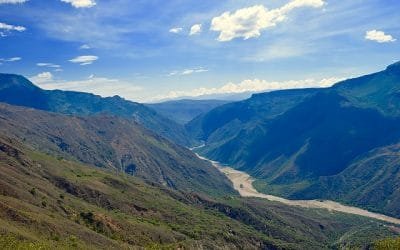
[(53, 203), (113, 143)]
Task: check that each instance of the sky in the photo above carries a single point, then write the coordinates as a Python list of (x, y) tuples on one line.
[(152, 50)]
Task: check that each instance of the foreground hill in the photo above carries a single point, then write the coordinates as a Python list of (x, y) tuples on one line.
[(336, 143), (113, 143), (183, 111), (50, 203), (17, 90)]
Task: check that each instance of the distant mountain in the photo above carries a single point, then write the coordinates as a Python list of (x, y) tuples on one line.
[(221, 123), (17, 90), (312, 143), (52, 203), (116, 144), (183, 111)]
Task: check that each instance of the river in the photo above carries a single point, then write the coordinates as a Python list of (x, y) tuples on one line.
[(243, 183)]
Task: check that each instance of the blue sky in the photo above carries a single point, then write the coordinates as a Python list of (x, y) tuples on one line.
[(146, 50)]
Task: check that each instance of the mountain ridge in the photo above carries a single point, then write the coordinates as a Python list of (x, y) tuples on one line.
[(113, 143), (295, 146), (17, 90)]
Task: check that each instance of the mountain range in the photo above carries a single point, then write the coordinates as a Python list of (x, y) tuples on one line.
[(17, 90), (336, 143), (183, 111)]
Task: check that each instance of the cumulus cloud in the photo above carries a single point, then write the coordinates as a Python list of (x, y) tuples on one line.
[(81, 3), (187, 71), (379, 36), (253, 85), (176, 30), (84, 60), (9, 27), (195, 29), (12, 1), (249, 22), (93, 84)]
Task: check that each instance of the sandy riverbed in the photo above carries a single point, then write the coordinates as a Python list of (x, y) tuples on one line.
[(243, 183)]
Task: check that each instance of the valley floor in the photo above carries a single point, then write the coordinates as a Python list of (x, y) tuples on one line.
[(243, 183)]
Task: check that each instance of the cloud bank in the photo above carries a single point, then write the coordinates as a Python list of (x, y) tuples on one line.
[(252, 85)]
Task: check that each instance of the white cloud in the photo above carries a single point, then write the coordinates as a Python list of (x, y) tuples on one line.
[(12, 1), (42, 78), (98, 85), (55, 67), (9, 27), (84, 60), (187, 71), (50, 65), (254, 85), (81, 3), (176, 30), (195, 29), (379, 36), (85, 46), (12, 59), (249, 22)]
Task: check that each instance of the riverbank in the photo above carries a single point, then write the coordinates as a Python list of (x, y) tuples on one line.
[(243, 183)]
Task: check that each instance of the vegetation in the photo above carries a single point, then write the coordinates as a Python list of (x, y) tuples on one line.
[(387, 244), (92, 208), (336, 143), (116, 144)]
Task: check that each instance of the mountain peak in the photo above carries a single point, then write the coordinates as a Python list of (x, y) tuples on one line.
[(394, 67), (13, 80)]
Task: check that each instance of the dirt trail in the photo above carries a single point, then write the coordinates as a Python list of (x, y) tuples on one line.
[(243, 183)]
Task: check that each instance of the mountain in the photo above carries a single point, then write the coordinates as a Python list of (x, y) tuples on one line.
[(334, 143), (53, 203), (247, 113), (17, 90), (113, 143), (183, 111)]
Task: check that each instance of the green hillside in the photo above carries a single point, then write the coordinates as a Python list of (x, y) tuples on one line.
[(50, 203), (113, 143)]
